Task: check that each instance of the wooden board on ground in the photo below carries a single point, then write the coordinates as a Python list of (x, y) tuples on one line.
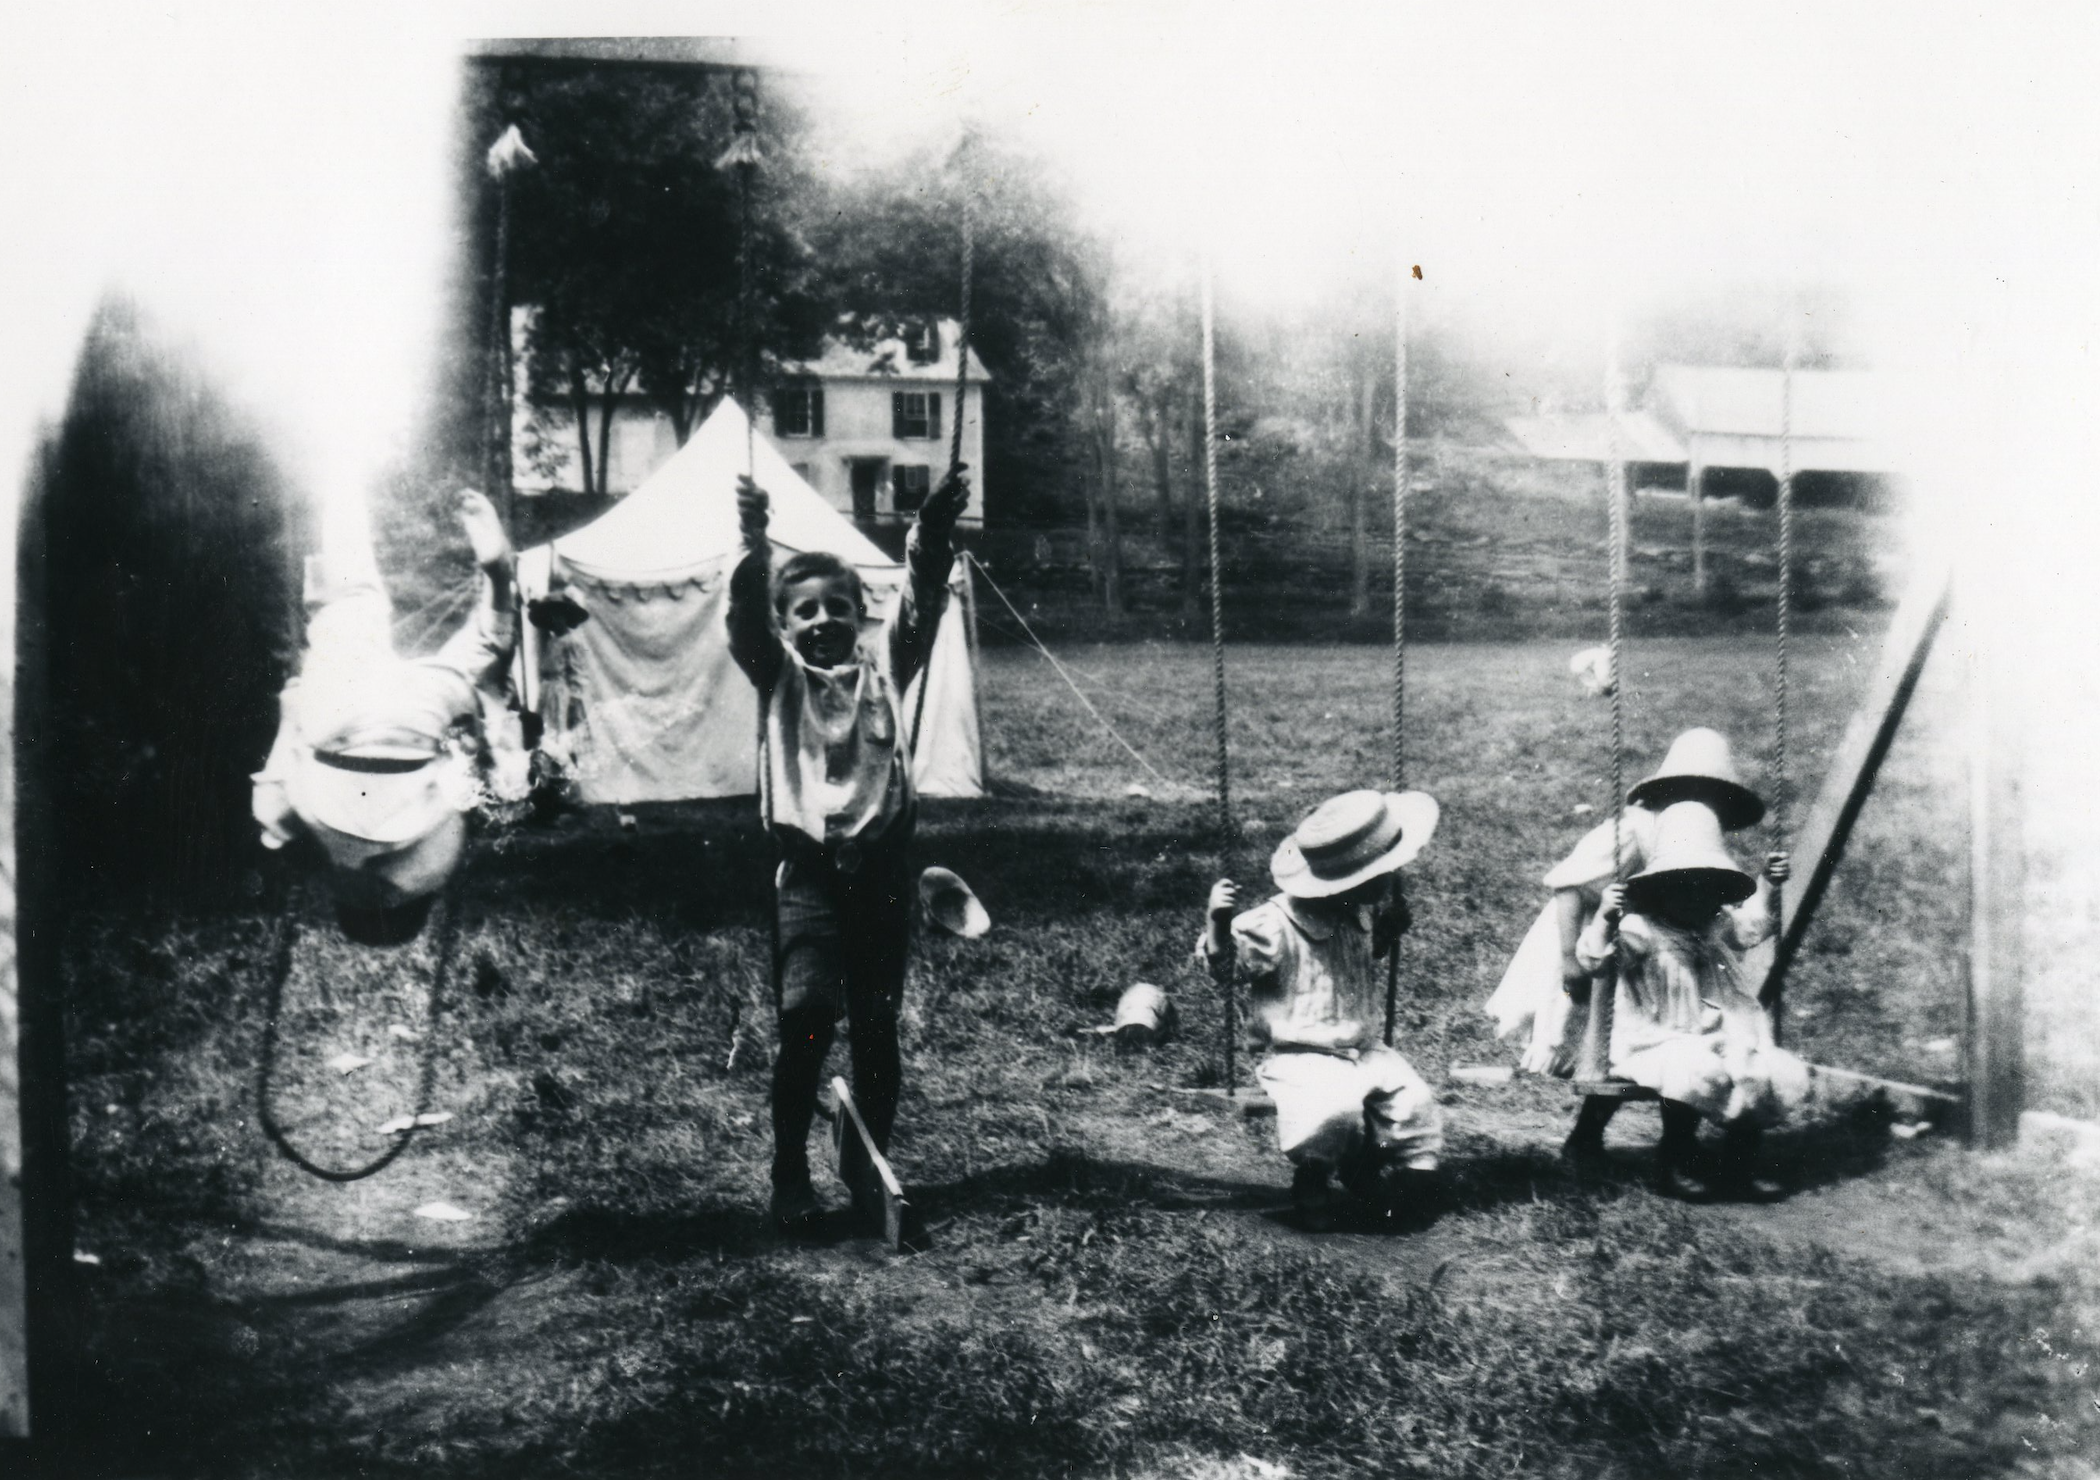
[(893, 1203)]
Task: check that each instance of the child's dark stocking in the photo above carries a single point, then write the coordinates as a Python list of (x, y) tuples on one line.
[(1584, 1148), (1742, 1147), (1677, 1156), (805, 1039)]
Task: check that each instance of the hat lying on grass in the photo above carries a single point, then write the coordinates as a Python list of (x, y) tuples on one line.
[(1351, 839), (1688, 851), (1701, 768), (952, 905)]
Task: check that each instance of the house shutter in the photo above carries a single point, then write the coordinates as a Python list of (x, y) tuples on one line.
[(816, 410), (897, 414), (933, 415)]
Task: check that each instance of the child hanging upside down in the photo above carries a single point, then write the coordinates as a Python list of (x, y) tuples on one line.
[(1685, 1022), (1544, 994), (839, 800), (1345, 1102)]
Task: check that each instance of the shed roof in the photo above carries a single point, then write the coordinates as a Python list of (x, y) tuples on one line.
[(1749, 402), (1587, 437)]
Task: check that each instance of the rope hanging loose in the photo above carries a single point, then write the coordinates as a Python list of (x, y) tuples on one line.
[(443, 950)]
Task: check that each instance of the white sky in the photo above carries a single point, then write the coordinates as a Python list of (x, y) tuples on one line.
[(270, 181)]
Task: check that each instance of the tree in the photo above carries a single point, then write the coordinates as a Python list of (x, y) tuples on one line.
[(890, 244), (626, 242)]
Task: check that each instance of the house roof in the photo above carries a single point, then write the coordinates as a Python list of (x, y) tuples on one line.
[(1587, 437), (1749, 402), (887, 359)]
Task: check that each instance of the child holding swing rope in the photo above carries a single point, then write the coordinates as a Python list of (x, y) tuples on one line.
[(1345, 1102), (1685, 1022), (839, 800), (1545, 992)]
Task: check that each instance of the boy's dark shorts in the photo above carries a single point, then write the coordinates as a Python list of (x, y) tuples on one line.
[(844, 926)]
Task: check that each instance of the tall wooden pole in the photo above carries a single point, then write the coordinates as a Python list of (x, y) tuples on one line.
[(506, 158), (1995, 1047)]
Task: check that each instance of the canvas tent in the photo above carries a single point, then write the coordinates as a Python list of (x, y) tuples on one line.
[(643, 701)]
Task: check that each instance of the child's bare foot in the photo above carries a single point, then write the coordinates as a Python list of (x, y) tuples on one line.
[(484, 527)]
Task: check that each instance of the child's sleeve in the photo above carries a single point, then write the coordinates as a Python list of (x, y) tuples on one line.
[(752, 641), (928, 560), (1599, 947), (1752, 922)]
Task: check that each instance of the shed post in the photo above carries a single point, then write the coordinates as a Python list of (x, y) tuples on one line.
[(1994, 1049), (1694, 479)]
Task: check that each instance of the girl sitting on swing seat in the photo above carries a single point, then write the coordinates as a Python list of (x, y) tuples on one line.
[(1544, 994), (1685, 1022), (1345, 1102)]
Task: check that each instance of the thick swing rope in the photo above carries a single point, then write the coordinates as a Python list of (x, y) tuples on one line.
[(1594, 1057), (955, 436), (443, 949), (1400, 492), (1782, 789), (1062, 673), (1217, 584), (1217, 632)]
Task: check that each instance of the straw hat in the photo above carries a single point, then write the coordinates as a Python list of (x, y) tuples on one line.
[(951, 904), (1687, 849), (1351, 839), (1700, 768)]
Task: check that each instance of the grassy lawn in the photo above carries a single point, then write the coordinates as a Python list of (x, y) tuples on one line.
[(1110, 1290)]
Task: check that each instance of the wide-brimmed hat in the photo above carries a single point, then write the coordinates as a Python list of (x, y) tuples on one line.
[(1351, 839), (952, 904), (388, 789), (1701, 768), (1688, 849)]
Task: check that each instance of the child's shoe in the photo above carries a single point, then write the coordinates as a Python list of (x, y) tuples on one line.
[(1677, 1157), (795, 1211)]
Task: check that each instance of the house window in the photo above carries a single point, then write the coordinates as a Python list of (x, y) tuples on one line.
[(915, 416), (922, 342), (909, 487), (798, 409)]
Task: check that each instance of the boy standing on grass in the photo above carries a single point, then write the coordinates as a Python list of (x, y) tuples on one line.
[(838, 797), (1685, 1023), (1345, 1102)]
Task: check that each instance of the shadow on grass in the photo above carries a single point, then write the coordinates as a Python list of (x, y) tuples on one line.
[(708, 864)]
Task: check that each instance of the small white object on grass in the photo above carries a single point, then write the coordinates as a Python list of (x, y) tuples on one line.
[(952, 904), (1482, 1073), (1136, 790), (1583, 809), (1940, 1045), (1593, 667), (1909, 1130), (348, 1063), (82, 1256), (401, 1123), (406, 1035), (443, 1212)]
